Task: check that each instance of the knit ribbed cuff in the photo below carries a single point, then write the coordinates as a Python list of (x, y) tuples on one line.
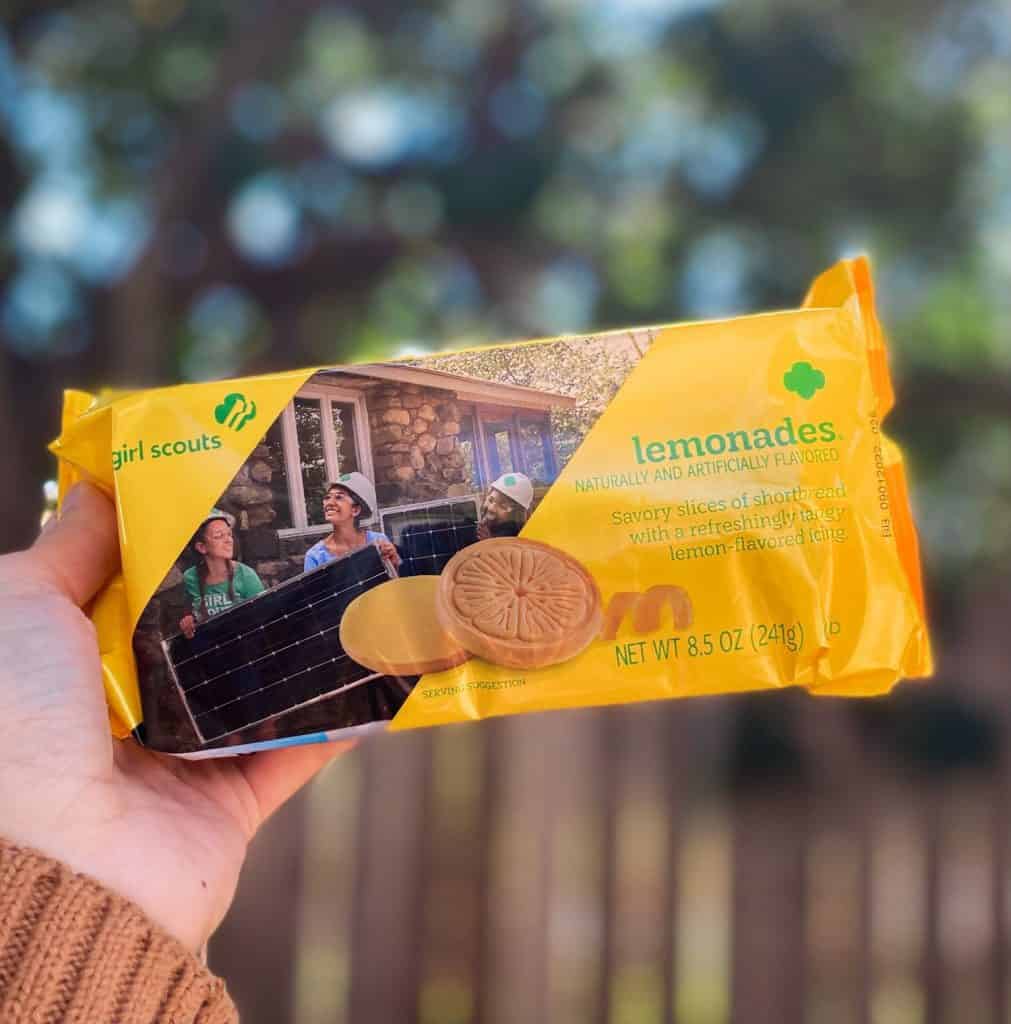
[(75, 952)]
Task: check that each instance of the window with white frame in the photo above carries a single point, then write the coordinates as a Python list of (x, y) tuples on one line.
[(321, 433), (324, 431)]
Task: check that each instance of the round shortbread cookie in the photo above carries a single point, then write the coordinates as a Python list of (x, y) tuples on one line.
[(518, 602), (393, 629)]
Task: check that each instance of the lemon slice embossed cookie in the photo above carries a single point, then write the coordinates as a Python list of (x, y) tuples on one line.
[(518, 603)]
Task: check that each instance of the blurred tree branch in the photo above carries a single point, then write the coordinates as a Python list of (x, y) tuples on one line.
[(13, 467), (139, 349), (946, 391)]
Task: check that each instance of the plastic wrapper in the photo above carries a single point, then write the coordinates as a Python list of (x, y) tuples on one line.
[(641, 514)]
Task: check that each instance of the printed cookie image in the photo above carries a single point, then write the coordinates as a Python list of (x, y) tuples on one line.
[(518, 603), (394, 629)]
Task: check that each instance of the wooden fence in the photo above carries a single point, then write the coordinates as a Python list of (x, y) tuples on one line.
[(760, 860), (768, 860)]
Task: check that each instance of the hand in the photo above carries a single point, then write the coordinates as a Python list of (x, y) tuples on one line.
[(166, 833), (483, 530), (388, 550), (188, 627)]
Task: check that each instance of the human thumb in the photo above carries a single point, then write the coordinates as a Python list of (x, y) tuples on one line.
[(80, 550)]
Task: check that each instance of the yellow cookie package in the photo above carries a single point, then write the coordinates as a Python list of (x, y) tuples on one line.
[(657, 512)]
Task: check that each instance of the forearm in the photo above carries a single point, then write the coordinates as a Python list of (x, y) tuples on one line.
[(71, 949)]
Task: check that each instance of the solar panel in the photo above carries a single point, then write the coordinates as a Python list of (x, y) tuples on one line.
[(275, 652), (428, 535)]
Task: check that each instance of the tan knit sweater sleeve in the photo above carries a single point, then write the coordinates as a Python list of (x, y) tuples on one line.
[(73, 952)]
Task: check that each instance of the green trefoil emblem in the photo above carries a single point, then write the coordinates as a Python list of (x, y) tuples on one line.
[(804, 379), (235, 411)]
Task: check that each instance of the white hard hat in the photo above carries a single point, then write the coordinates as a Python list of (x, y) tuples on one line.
[(217, 513), (516, 486), (360, 486)]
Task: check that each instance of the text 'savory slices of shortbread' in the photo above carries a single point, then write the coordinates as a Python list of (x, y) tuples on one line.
[(393, 629), (518, 602)]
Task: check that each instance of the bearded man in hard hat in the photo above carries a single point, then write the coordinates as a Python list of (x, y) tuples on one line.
[(506, 506)]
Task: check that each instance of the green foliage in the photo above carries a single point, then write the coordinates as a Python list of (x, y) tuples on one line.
[(363, 180)]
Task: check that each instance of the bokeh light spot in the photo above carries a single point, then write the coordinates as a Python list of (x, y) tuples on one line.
[(263, 221), (223, 328), (257, 111)]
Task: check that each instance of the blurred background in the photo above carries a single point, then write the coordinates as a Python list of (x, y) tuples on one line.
[(197, 190)]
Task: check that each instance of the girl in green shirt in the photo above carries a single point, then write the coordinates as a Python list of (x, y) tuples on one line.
[(216, 582)]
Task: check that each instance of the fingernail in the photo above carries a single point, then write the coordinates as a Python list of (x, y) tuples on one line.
[(72, 499)]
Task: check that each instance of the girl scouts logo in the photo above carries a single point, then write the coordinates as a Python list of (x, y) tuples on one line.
[(235, 411), (804, 379)]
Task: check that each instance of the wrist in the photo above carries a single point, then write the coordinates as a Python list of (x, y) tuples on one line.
[(69, 941), (92, 834)]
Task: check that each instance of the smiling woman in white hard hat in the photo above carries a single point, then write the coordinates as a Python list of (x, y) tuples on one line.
[(216, 582), (348, 500), (506, 506)]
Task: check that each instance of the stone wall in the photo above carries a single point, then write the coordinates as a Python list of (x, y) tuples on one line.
[(415, 443), (250, 499)]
